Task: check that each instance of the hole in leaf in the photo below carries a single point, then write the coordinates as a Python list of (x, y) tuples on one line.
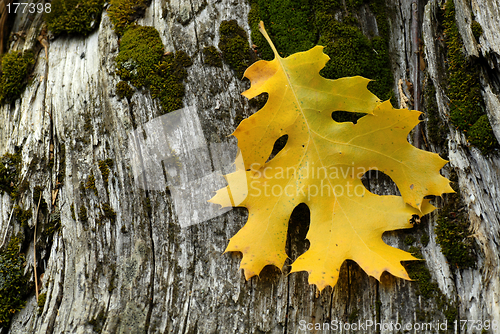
[(269, 276), (296, 242), (342, 116), (259, 101), (279, 144), (379, 183)]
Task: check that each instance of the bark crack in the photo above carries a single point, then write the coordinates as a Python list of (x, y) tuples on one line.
[(190, 291), (153, 271), (404, 32), (348, 300), (194, 22), (287, 310), (378, 304), (55, 313)]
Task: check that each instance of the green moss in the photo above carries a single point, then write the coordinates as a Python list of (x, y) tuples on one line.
[(82, 215), (427, 288), (90, 184), (481, 135), (424, 240), (477, 30), (417, 270), (87, 123), (142, 62), (109, 162), (109, 213), (53, 224), (21, 189), (123, 89), (233, 44), (141, 49), (78, 17), (464, 89), (104, 168), (123, 13), (437, 131), (289, 23), (352, 53), (41, 302), (167, 85), (37, 196), (13, 284), (211, 56), (453, 234), (409, 240), (22, 216), (9, 172), (14, 75), (183, 60)]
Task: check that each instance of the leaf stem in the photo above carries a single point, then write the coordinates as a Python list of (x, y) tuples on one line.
[(264, 32)]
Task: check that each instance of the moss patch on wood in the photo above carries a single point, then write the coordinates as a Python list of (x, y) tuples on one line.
[(417, 270), (109, 213), (22, 216), (290, 23), (141, 49), (428, 288), (38, 198), (14, 75), (211, 56), (53, 224), (437, 131), (9, 172), (41, 302), (75, 17), (167, 84), (453, 234), (13, 283), (82, 215), (123, 89), (142, 62), (233, 44), (104, 168), (464, 89), (477, 30), (90, 184), (123, 13)]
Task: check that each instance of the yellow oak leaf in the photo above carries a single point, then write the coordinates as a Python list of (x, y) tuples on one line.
[(321, 165)]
